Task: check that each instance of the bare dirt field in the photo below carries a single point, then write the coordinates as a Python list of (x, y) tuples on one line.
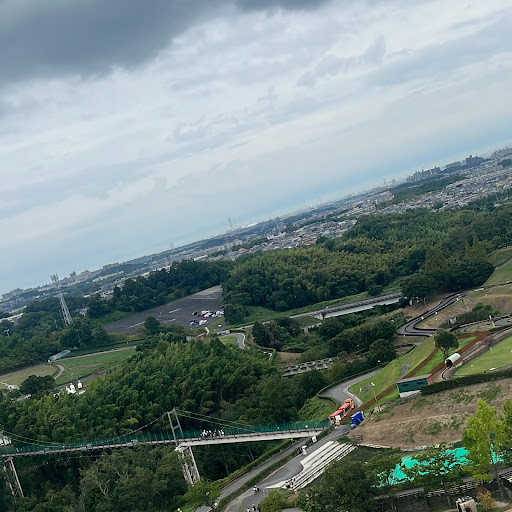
[(432, 419), (287, 358)]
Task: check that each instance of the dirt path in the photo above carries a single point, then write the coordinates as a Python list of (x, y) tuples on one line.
[(61, 371)]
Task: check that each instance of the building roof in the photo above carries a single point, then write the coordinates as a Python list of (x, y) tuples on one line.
[(410, 379)]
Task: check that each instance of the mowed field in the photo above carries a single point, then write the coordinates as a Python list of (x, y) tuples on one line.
[(498, 356), (78, 367), (392, 371), (69, 369), (17, 377)]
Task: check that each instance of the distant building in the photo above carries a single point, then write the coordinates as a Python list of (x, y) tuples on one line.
[(453, 165), (473, 161)]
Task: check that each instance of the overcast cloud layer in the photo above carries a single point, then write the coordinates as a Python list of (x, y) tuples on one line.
[(125, 126)]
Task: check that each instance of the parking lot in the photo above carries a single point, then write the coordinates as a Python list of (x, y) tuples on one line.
[(177, 312)]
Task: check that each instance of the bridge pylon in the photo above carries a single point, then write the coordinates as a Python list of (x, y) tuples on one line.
[(13, 482), (188, 461)]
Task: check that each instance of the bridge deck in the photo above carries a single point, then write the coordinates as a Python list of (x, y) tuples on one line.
[(190, 439)]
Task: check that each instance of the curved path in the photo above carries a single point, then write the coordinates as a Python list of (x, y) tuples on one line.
[(240, 338), (340, 391), (409, 328)]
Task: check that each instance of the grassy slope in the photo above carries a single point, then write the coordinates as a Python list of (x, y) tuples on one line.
[(316, 409), (500, 255), (17, 377), (438, 358), (79, 367), (391, 372), (499, 355), (501, 275), (229, 340)]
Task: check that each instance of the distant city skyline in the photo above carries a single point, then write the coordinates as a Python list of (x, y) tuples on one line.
[(123, 130)]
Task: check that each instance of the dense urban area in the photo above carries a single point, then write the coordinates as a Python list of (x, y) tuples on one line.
[(354, 356)]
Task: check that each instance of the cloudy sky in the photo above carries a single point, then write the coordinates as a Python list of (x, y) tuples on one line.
[(126, 125)]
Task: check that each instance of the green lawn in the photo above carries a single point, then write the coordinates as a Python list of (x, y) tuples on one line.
[(500, 255), (316, 409), (79, 367), (495, 357), (17, 377), (391, 372), (501, 275), (229, 340), (439, 358)]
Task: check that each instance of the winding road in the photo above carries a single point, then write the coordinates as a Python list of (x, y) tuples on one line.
[(409, 328)]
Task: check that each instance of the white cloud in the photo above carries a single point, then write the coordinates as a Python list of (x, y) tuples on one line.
[(223, 110)]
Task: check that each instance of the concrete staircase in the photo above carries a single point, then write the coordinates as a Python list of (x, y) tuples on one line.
[(316, 463)]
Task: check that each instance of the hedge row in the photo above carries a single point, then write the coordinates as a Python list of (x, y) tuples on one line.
[(443, 385)]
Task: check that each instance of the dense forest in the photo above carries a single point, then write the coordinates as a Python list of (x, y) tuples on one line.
[(182, 279), (204, 377), (380, 251)]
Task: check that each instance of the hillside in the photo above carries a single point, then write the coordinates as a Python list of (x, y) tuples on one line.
[(429, 420)]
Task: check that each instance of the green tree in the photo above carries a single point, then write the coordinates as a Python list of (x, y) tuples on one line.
[(419, 285), (445, 341), (34, 385), (235, 313), (507, 444), (274, 502), (382, 468), (349, 486), (202, 493), (261, 335), (484, 438), (311, 499), (152, 325)]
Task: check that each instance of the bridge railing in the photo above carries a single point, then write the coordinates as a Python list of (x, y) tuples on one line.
[(256, 429), (164, 437)]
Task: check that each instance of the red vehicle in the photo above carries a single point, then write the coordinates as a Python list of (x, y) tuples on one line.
[(337, 416)]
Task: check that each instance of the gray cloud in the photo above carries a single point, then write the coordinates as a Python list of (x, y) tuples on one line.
[(444, 60), (332, 65), (92, 36)]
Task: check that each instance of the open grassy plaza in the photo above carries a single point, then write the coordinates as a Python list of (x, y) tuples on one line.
[(74, 368)]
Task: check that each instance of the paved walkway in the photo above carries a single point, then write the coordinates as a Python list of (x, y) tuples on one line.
[(290, 469), (340, 392)]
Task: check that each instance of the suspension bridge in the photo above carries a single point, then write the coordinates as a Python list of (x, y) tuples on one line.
[(189, 438), (224, 432)]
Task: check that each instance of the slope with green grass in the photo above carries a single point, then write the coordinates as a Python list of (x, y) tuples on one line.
[(499, 256), (78, 367), (392, 371), (496, 357)]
